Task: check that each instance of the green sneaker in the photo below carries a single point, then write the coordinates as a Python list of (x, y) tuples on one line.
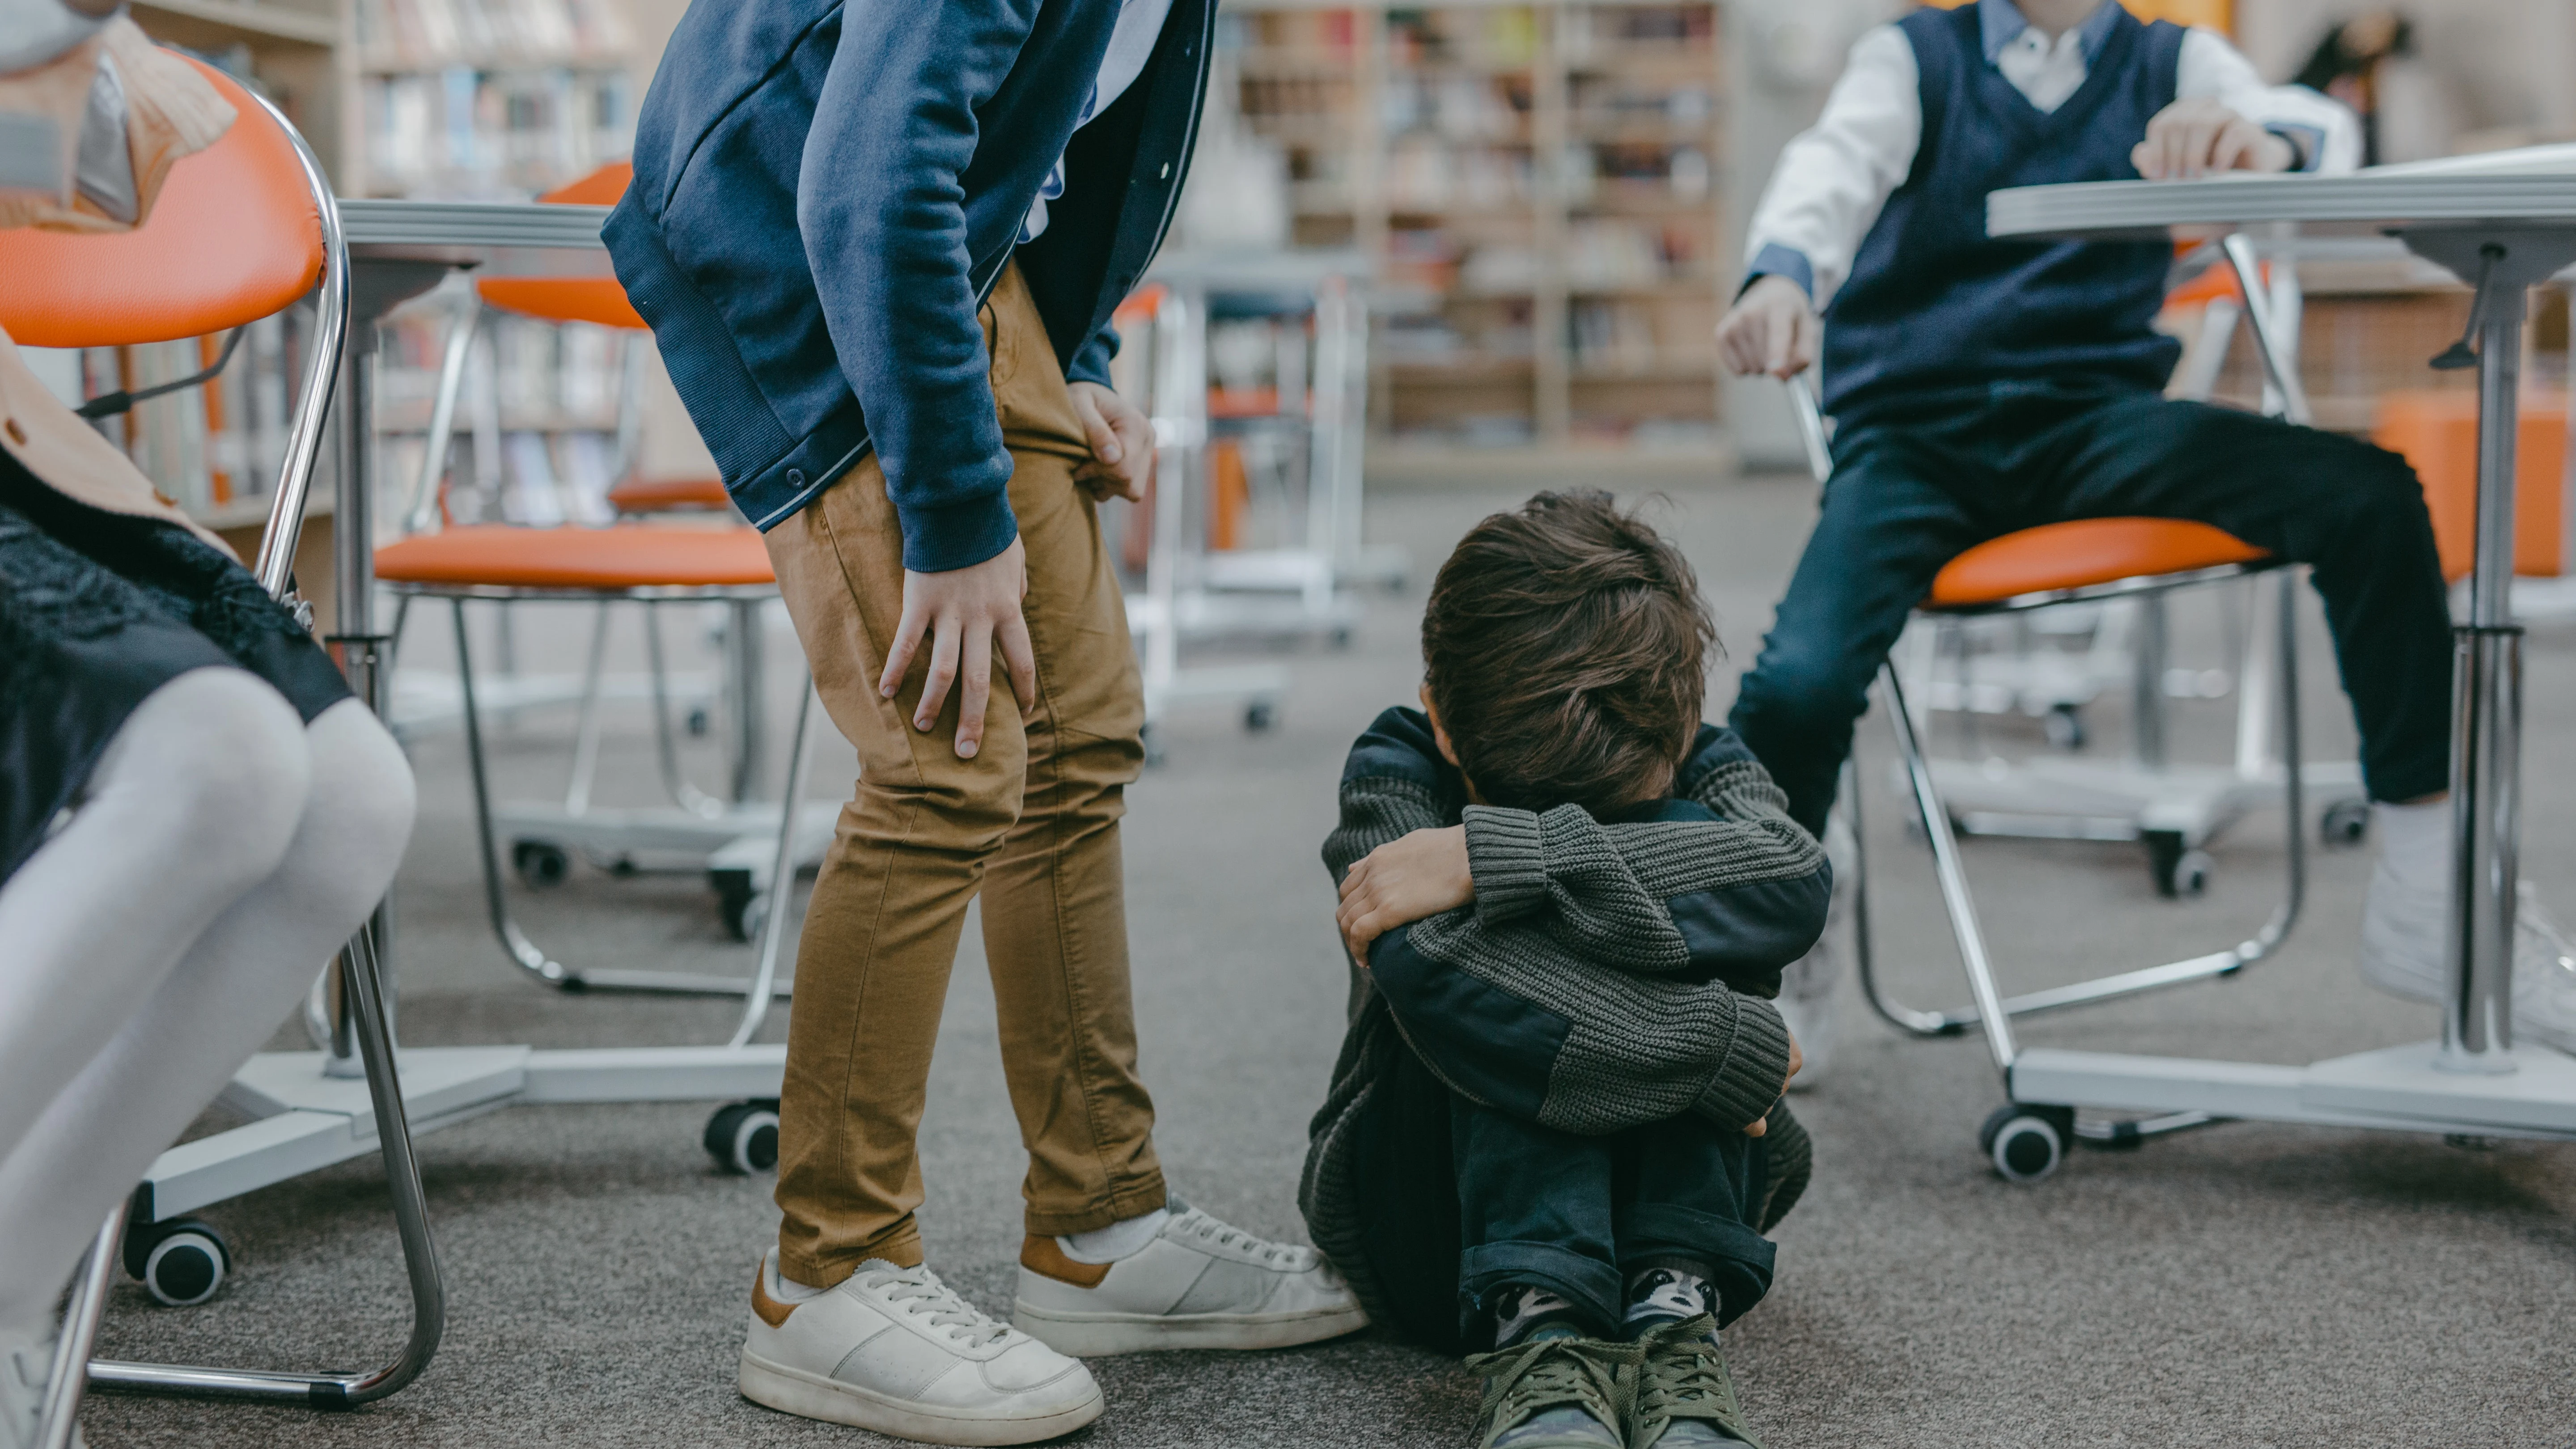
[(1555, 1391), (1684, 1399)]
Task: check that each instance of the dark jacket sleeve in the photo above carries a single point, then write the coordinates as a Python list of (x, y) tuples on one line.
[(882, 212), (1091, 361)]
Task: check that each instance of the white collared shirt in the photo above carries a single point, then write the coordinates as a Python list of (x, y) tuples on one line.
[(1834, 178), (1131, 44)]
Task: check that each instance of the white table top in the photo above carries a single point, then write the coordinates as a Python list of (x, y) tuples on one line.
[(2386, 198)]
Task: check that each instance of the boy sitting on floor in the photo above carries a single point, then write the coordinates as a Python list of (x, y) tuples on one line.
[(1553, 1131)]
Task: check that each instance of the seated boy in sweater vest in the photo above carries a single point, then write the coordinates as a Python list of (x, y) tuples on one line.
[(1552, 1131), (1982, 386)]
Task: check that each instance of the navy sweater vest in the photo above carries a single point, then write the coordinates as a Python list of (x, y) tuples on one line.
[(1934, 306)]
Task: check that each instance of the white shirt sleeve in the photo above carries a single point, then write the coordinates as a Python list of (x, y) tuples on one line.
[(1833, 179), (2327, 134)]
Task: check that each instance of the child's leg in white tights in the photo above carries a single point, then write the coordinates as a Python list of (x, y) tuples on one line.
[(176, 1033)]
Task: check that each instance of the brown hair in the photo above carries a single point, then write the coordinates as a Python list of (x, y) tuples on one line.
[(1564, 650)]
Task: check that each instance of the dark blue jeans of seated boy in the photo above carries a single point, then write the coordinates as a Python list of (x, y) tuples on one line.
[(1580, 1216), (1917, 483)]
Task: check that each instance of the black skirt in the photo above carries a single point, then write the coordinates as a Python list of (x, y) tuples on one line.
[(99, 609)]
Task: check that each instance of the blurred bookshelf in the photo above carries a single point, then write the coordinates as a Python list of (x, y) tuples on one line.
[(1537, 187), (448, 99)]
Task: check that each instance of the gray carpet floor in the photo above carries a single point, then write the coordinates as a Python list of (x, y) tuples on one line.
[(2240, 1285)]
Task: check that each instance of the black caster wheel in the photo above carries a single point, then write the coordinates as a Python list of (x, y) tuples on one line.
[(700, 723), (2026, 1143), (734, 893), (2064, 726), (1259, 716), (180, 1262), (743, 1137), (2346, 823), (2180, 872), (747, 922), (541, 863)]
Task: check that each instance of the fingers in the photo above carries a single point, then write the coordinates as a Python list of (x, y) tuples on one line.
[(1095, 428), (943, 673), (1802, 341), (907, 639), (975, 666), (1019, 660), (1761, 1127)]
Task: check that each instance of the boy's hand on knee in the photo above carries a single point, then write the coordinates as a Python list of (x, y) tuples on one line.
[(1771, 330), (1403, 881), (966, 612), (2197, 135), (1122, 444)]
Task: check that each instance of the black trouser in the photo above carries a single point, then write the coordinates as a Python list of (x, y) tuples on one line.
[(1460, 1200), (1913, 489)]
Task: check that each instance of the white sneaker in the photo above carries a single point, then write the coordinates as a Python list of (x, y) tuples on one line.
[(1196, 1284), (2407, 914), (896, 1350)]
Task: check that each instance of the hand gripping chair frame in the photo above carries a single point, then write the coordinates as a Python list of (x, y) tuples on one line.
[(357, 964), (1990, 1008)]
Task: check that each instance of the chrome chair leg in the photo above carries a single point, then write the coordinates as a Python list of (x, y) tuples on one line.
[(523, 952), (1962, 911), (343, 1389), (782, 878), (60, 1411)]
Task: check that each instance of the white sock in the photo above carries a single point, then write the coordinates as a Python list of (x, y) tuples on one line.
[(2415, 842), (1116, 1241), (787, 1290)]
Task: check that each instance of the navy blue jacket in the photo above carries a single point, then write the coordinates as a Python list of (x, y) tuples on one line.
[(1934, 304), (825, 192)]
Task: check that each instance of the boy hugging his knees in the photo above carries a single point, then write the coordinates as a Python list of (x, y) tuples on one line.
[(1555, 1132)]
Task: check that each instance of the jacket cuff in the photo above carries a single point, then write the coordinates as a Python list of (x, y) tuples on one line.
[(948, 536), (1091, 360), (1775, 260), (1755, 1071), (1506, 861)]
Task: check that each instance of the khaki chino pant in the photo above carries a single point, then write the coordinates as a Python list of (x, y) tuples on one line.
[(1031, 823)]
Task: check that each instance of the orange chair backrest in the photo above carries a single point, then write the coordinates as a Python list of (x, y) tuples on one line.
[(572, 299), (235, 236)]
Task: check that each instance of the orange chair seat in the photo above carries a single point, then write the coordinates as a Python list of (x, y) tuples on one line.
[(626, 556), (2082, 553), (663, 495)]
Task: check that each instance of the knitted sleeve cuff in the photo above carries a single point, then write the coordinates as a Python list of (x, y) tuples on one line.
[(1506, 860), (1755, 1070)]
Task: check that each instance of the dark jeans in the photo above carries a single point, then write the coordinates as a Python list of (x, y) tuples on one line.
[(1461, 1199), (1911, 491)]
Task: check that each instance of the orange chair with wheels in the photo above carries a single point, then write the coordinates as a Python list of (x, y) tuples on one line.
[(2085, 560), (635, 561), (241, 230)]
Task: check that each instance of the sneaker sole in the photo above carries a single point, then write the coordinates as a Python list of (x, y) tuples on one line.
[(1091, 1335), (811, 1396)]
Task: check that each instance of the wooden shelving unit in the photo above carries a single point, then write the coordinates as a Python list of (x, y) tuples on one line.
[(1537, 185)]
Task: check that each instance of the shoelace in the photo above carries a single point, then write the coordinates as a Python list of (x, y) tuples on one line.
[(1683, 1376), (1547, 1372), (1287, 1257), (925, 1297)]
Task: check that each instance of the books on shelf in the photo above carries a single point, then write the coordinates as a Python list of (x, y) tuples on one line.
[(426, 34), (474, 99)]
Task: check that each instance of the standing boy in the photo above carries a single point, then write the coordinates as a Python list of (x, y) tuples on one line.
[(879, 244), (1983, 386)]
